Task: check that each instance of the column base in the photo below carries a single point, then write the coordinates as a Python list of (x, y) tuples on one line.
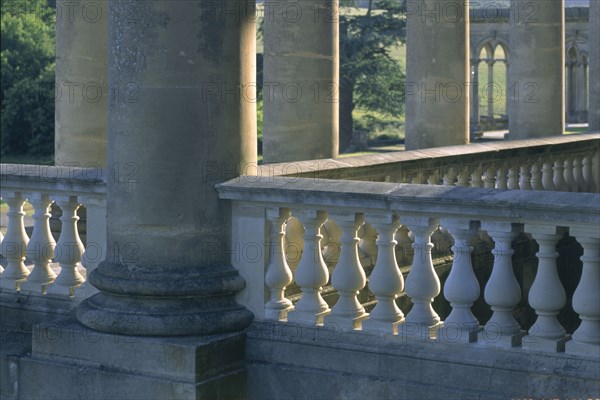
[(303, 317), (346, 323), (167, 302), (415, 331), (83, 363), (591, 350), (453, 334), (542, 344), (496, 340), (383, 327)]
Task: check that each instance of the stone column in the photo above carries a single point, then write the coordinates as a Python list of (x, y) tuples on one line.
[(81, 82), (474, 98), (594, 67), (190, 125), (536, 89), (437, 73), (300, 80), (490, 89)]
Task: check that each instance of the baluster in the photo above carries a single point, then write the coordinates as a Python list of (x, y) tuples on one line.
[(502, 291), (463, 177), (476, 180), (548, 176), (489, 179), (14, 245), (279, 274), (578, 174), (348, 275), (559, 176), (569, 178), (461, 288), (450, 176), (502, 178), (386, 281), (418, 178), (547, 295), (432, 179), (41, 245), (312, 273), (513, 178), (588, 175), (422, 283), (69, 249), (525, 177), (586, 300), (536, 176)]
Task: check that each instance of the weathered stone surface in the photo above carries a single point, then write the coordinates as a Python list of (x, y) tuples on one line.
[(535, 98), (313, 362), (437, 74), (594, 67)]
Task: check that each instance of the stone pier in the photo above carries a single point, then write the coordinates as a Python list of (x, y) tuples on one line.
[(82, 88), (301, 84), (166, 286), (437, 73), (536, 91)]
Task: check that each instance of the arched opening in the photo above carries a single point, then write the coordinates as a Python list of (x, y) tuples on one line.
[(492, 73)]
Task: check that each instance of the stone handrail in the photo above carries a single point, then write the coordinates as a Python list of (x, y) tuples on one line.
[(563, 163), (55, 261), (262, 207)]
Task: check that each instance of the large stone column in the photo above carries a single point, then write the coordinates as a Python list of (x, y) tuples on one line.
[(81, 107), (191, 124), (594, 67), (301, 80), (536, 91), (437, 73)]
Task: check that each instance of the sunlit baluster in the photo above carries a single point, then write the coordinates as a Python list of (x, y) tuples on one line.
[(418, 178), (578, 174), (463, 177), (461, 288), (40, 248), (433, 179), (525, 177), (422, 283), (489, 179), (502, 178), (278, 275), (588, 176), (449, 178), (69, 249), (14, 245), (548, 176), (547, 295), (312, 273), (348, 275), (386, 281), (559, 176), (568, 173), (586, 300), (476, 180), (502, 291), (513, 178), (536, 176)]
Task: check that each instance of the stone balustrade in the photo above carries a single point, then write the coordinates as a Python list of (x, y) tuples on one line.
[(45, 263), (262, 207), (564, 163)]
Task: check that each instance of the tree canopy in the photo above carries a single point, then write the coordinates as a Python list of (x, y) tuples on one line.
[(27, 77)]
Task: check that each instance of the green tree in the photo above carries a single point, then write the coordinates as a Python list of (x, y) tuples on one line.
[(369, 77), (27, 77)]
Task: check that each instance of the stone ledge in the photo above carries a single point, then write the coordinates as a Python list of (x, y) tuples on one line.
[(389, 361)]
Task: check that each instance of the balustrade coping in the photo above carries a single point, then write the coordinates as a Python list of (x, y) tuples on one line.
[(554, 208), (44, 178), (484, 153)]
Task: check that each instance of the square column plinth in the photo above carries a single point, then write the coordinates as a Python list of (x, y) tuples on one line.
[(71, 361)]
